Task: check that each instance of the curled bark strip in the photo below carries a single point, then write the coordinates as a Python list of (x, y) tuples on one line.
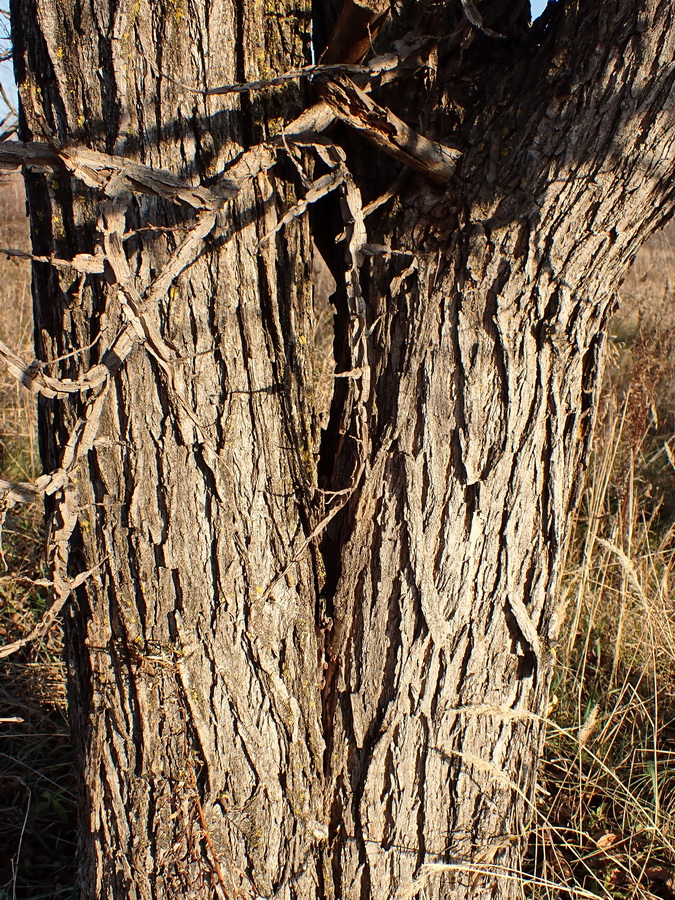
[(114, 175), (12, 492), (112, 223), (186, 253), (80, 443), (141, 327), (48, 619), (64, 519), (32, 377), (85, 263), (318, 189), (118, 177), (391, 134)]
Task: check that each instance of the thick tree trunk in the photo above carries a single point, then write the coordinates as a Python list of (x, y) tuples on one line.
[(311, 668), (486, 360), (194, 695)]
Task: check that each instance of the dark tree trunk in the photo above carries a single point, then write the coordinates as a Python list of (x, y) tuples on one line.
[(304, 666)]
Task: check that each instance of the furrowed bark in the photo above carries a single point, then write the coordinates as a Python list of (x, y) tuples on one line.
[(255, 715), (485, 361), (193, 696)]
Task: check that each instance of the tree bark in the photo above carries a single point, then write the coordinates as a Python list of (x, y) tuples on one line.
[(317, 666), (193, 695)]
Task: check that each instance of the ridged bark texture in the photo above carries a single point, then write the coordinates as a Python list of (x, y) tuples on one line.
[(186, 683), (266, 704), (486, 359)]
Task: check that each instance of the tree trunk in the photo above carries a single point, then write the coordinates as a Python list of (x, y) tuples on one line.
[(316, 666)]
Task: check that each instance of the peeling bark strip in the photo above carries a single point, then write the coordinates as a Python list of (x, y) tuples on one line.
[(85, 263), (60, 485), (114, 176), (311, 666), (388, 132)]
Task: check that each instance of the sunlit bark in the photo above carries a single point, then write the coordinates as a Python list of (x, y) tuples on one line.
[(314, 666)]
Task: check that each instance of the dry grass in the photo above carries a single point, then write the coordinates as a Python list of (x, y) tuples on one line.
[(608, 786), (36, 799), (606, 822)]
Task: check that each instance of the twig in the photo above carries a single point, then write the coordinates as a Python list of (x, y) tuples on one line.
[(292, 75), (8, 102), (77, 352), (48, 619), (207, 836)]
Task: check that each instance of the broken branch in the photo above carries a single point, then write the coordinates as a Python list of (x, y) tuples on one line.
[(391, 134)]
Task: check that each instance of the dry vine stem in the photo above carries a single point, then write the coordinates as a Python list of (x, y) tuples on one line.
[(117, 179)]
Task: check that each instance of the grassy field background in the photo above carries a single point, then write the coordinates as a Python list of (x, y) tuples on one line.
[(37, 804), (604, 822)]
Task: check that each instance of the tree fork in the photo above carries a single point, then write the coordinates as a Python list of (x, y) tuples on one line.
[(217, 756)]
